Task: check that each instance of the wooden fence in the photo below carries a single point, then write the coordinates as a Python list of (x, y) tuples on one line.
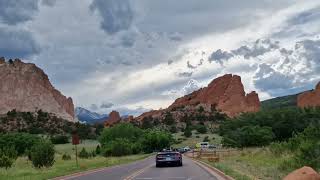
[(213, 155)]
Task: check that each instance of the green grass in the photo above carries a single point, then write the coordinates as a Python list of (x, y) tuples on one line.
[(23, 169), (255, 163), (193, 140)]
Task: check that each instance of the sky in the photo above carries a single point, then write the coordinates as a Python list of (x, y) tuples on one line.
[(137, 55)]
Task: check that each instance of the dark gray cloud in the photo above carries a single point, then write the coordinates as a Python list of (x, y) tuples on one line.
[(16, 11), (219, 56), (17, 43), (48, 2), (267, 79), (128, 40), (185, 74), (117, 15), (106, 105), (255, 49), (175, 37), (93, 107), (311, 53), (189, 65)]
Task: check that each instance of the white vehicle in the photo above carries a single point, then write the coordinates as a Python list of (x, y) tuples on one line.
[(186, 149), (204, 145)]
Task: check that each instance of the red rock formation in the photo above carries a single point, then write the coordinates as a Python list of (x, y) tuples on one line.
[(114, 117), (304, 173), (227, 93), (310, 98), (25, 87)]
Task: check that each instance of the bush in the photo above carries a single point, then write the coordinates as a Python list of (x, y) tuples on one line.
[(42, 154), (120, 131), (59, 139), (125, 139), (5, 161), (173, 129), (93, 153), (202, 129), (309, 155), (206, 139), (7, 157), (156, 140), (187, 132), (98, 149), (283, 122), (118, 147), (20, 141), (66, 157), (249, 136), (84, 154)]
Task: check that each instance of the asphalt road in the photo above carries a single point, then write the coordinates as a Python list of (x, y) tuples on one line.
[(146, 170)]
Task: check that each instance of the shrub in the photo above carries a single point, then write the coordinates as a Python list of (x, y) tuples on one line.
[(249, 136), (187, 132), (93, 154), (118, 147), (98, 149), (59, 139), (173, 129), (202, 129), (309, 155), (66, 157), (206, 139), (20, 141), (83, 154), (7, 157), (156, 140), (5, 161), (122, 131), (42, 154)]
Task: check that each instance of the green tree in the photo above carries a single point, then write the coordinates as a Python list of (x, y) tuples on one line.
[(98, 149), (187, 132), (42, 154), (202, 129), (83, 154), (168, 119)]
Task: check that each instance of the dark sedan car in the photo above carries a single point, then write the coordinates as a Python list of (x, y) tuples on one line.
[(168, 158)]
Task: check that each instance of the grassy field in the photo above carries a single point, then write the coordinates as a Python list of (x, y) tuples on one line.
[(23, 170), (195, 138), (256, 163)]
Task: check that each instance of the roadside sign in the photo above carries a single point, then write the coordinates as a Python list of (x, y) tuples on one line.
[(75, 142), (75, 139)]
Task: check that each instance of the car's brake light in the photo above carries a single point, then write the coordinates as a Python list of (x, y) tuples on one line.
[(178, 155)]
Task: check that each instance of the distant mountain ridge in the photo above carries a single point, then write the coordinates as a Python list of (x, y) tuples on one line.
[(280, 102), (89, 117)]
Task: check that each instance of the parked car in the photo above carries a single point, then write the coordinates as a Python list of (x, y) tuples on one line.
[(203, 145), (168, 158)]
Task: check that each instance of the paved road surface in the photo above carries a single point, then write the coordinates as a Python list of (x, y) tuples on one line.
[(146, 170)]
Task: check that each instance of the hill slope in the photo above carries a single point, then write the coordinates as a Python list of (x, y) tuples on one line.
[(280, 102)]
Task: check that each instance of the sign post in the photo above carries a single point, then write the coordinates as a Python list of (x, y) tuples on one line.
[(75, 142)]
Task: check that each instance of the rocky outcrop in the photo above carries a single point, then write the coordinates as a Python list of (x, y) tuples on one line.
[(114, 118), (310, 98), (226, 93), (304, 173), (25, 87)]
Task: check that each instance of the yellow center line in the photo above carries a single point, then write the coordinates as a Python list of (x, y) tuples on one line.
[(137, 173)]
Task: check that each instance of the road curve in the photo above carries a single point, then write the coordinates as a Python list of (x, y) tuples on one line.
[(146, 170)]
